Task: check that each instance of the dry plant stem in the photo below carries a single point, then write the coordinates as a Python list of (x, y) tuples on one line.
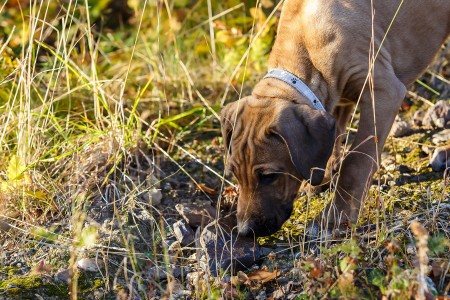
[(421, 236), (77, 225), (442, 198)]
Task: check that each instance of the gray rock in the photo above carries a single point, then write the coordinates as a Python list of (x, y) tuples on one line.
[(89, 264), (441, 137), (438, 115), (427, 149), (441, 158), (62, 276), (194, 278), (221, 248), (265, 251), (197, 214), (183, 232), (161, 272), (418, 118), (4, 225), (279, 293), (411, 249), (261, 295), (154, 197), (400, 128)]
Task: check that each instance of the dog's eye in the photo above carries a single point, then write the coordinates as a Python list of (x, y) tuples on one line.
[(267, 178)]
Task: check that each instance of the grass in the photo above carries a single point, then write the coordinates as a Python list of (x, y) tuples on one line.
[(104, 109)]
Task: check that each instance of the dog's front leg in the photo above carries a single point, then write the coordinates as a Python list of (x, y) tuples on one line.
[(378, 111)]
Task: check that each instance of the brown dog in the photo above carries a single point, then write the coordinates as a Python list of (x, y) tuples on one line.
[(340, 49)]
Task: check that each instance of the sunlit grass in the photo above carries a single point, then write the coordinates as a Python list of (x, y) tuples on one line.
[(89, 113)]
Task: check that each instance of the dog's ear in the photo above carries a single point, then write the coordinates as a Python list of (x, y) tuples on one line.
[(227, 122), (229, 119), (309, 135)]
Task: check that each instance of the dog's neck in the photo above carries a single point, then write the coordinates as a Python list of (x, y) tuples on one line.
[(301, 66), (289, 53)]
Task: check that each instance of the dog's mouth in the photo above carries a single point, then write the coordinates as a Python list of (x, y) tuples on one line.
[(263, 226)]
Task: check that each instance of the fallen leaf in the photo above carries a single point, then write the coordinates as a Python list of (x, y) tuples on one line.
[(405, 106), (240, 279), (345, 282), (266, 3), (232, 191), (263, 276), (202, 187), (316, 271)]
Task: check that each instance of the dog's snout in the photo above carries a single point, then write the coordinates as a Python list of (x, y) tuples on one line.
[(258, 227)]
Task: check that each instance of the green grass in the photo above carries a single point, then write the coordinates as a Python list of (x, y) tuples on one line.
[(98, 114)]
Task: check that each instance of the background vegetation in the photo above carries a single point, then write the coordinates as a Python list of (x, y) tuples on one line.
[(109, 117)]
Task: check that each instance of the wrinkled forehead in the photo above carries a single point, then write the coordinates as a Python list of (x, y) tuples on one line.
[(253, 142)]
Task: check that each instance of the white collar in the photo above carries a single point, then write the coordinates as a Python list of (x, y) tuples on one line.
[(297, 84)]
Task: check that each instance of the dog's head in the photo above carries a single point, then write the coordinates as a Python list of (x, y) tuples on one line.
[(272, 145)]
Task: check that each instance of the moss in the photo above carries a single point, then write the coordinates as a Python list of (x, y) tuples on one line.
[(88, 283), (25, 287), (305, 209), (9, 271)]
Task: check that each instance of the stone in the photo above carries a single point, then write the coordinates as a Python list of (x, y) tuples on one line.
[(89, 264), (221, 248), (196, 214), (264, 251), (195, 278), (438, 115), (441, 137), (427, 149), (418, 118), (162, 272), (411, 249), (400, 128), (62, 276), (183, 232), (440, 160), (279, 294), (152, 196), (4, 225), (261, 296), (155, 197)]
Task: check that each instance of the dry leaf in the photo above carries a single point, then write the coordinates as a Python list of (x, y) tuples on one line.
[(346, 281), (405, 106), (316, 271), (267, 3), (240, 279), (263, 276), (202, 187)]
